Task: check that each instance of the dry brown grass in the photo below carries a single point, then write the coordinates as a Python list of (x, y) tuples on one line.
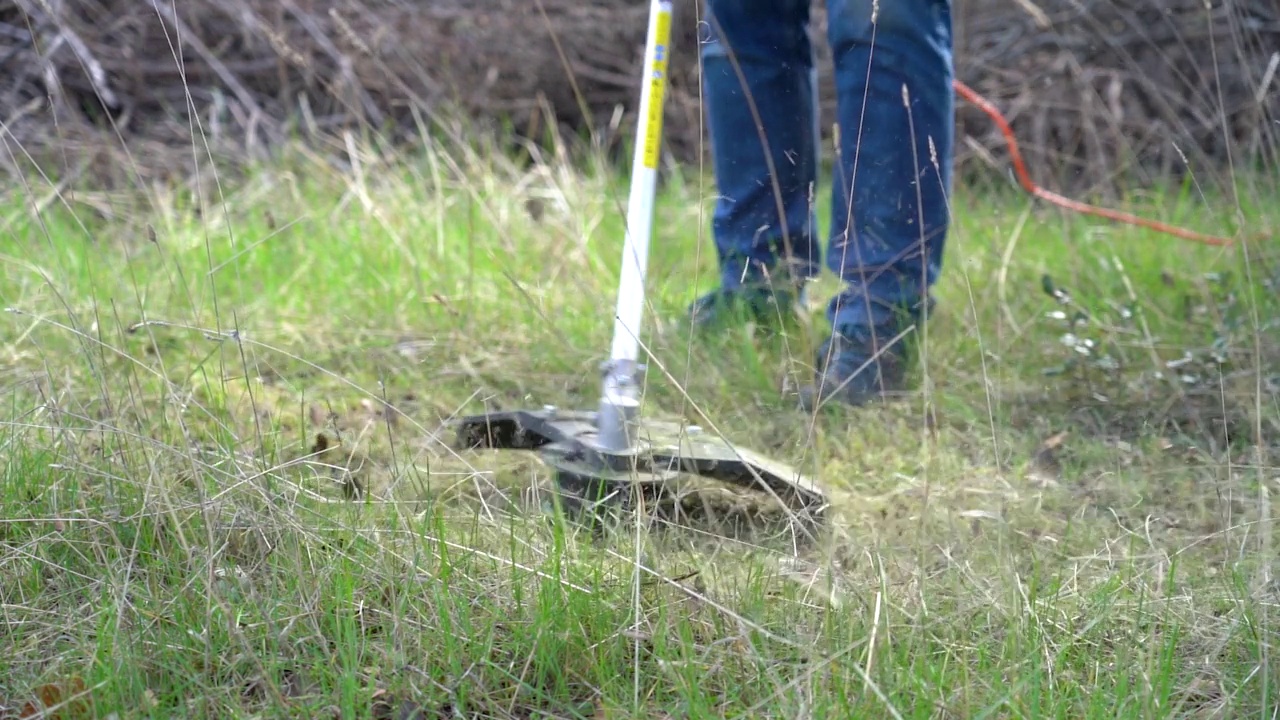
[(1098, 90)]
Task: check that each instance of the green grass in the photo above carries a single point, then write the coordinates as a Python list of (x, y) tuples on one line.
[(1036, 533)]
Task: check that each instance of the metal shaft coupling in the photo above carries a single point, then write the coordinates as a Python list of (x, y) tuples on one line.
[(618, 420)]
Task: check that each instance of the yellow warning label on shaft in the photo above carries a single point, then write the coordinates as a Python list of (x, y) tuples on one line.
[(657, 89)]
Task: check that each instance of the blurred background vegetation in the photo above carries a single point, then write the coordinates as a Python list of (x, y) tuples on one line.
[(1102, 93)]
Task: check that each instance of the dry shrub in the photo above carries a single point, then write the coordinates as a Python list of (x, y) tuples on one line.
[(1100, 90), (257, 71), (1095, 88)]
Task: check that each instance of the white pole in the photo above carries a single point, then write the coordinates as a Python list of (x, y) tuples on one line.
[(644, 176), (620, 394)]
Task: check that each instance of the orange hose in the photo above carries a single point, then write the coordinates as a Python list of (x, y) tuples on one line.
[(1020, 168)]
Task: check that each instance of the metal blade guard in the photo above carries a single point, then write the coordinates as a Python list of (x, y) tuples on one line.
[(612, 457), (591, 478)]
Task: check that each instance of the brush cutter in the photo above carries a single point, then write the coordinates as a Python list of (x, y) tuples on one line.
[(613, 457)]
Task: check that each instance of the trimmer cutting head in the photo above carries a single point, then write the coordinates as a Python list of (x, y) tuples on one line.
[(664, 476)]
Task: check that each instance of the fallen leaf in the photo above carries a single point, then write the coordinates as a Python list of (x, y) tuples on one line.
[(1045, 461), (60, 701), (1054, 442)]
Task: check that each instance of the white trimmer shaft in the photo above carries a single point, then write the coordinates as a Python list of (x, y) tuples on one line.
[(620, 400)]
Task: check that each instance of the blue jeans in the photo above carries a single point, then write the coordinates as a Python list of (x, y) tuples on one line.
[(892, 173)]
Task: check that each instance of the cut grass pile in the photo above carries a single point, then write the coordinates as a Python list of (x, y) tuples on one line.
[(1070, 519)]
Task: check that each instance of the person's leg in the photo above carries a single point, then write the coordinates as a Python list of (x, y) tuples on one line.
[(894, 76), (760, 93)]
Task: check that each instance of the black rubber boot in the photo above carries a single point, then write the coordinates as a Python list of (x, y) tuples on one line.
[(767, 306), (855, 367)]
